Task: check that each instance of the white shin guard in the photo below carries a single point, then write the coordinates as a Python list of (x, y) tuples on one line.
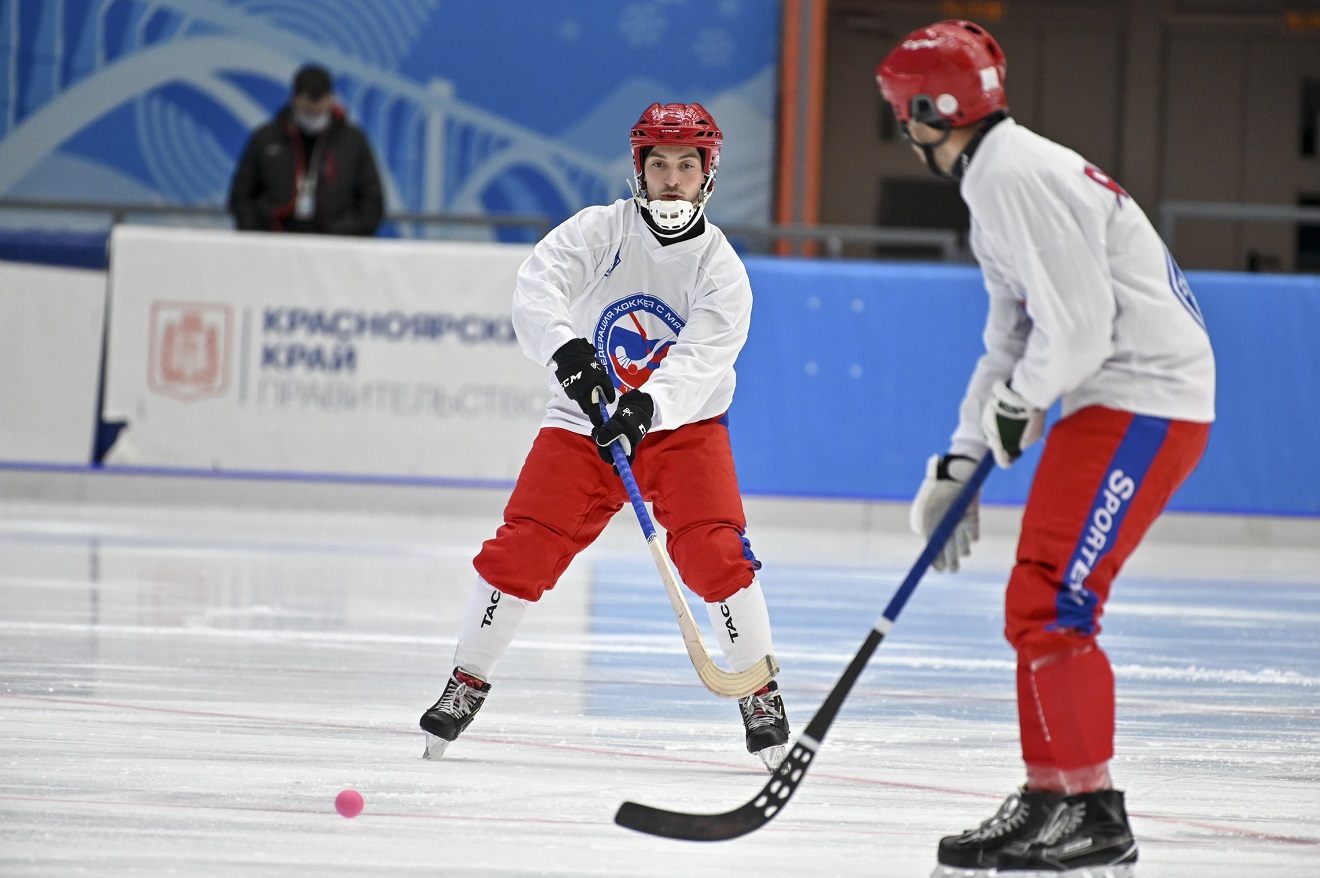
[(742, 627), (489, 624)]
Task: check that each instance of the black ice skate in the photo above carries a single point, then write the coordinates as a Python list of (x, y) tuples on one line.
[(1088, 837), (448, 717), (976, 853), (766, 724)]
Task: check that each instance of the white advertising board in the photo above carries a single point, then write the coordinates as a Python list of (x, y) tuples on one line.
[(51, 324), (233, 351)]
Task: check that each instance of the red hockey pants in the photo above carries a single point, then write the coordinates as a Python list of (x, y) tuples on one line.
[(1103, 479), (565, 495)]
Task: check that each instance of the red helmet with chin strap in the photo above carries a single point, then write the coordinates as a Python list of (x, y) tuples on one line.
[(682, 124), (950, 74)]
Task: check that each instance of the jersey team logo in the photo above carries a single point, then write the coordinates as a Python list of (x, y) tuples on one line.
[(634, 335), (1108, 182), (189, 350)]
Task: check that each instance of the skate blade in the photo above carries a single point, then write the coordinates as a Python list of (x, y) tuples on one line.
[(943, 871), (773, 756), (1121, 870), (435, 746)]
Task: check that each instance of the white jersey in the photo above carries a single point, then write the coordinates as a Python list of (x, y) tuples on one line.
[(668, 320), (1086, 303)]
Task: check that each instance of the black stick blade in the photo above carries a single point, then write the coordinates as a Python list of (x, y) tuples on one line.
[(774, 795), (731, 824)]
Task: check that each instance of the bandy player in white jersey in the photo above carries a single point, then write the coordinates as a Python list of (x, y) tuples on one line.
[(645, 296), (1087, 307)]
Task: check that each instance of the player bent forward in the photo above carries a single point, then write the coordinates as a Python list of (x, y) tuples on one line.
[(1088, 307), (646, 296)]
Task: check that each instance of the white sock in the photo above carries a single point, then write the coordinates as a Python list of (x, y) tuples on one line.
[(742, 627), (489, 624)]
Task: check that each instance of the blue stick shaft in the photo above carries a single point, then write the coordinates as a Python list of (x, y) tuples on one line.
[(941, 536), (630, 483)]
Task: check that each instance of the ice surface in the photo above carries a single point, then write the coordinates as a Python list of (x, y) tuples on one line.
[(184, 692)]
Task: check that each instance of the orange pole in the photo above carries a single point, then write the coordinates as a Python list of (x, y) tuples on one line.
[(790, 42), (815, 119), (801, 117)]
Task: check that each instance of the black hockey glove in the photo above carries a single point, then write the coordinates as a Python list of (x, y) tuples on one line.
[(631, 421), (583, 377)]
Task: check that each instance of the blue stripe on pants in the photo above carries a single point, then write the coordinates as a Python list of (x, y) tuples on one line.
[(1076, 603)]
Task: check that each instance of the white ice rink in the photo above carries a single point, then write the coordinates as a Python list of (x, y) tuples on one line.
[(186, 690)]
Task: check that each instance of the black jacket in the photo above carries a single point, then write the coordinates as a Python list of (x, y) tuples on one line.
[(348, 193)]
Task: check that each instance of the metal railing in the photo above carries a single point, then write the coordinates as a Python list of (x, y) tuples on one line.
[(1172, 211), (120, 212), (945, 244)]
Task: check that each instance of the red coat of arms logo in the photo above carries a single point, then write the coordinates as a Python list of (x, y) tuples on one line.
[(189, 349)]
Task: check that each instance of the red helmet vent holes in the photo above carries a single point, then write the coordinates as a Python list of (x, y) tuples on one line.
[(677, 124)]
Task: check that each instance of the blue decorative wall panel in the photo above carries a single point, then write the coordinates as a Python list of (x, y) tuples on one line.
[(853, 374), (518, 106)]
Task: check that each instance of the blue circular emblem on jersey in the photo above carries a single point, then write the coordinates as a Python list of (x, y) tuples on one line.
[(633, 336)]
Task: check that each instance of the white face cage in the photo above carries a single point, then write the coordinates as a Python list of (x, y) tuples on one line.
[(673, 218)]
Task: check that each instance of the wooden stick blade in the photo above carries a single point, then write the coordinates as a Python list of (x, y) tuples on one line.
[(725, 684), (728, 684)]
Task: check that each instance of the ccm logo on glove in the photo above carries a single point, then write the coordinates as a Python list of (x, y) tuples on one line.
[(583, 377)]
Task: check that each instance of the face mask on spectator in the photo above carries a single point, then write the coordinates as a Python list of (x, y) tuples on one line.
[(311, 123)]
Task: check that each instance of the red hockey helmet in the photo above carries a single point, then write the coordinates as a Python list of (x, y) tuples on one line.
[(950, 74), (685, 124)]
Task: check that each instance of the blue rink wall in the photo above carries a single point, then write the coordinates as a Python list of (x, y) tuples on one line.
[(854, 371)]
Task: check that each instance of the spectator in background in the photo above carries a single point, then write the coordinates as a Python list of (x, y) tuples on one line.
[(308, 169)]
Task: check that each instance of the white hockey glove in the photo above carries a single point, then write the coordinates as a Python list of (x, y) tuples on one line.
[(1010, 424), (945, 477)]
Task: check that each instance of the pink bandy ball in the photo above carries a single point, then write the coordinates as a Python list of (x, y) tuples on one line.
[(349, 803)]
